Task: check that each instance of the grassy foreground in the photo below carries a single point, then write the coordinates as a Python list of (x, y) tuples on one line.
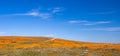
[(83, 51)]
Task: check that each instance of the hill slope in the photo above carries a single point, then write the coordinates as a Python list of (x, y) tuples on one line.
[(46, 46), (26, 42)]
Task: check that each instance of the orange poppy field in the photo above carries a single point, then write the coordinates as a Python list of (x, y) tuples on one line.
[(48, 46)]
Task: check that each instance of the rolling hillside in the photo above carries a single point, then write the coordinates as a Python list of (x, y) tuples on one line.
[(55, 46)]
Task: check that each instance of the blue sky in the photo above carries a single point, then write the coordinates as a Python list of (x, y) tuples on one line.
[(80, 20)]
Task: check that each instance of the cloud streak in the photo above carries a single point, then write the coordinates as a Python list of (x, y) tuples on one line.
[(35, 14), (38, 13), (104, 29), (50, 35), (85, 22), (56, 10)]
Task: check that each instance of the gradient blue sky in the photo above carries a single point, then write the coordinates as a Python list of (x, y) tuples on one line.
[(81, 20)]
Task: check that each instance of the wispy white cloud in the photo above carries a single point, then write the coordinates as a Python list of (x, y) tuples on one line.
[(37, 13), (50, 35), (104, 29), (97, 23), (85, 22), (77, 21), (56, 10)]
